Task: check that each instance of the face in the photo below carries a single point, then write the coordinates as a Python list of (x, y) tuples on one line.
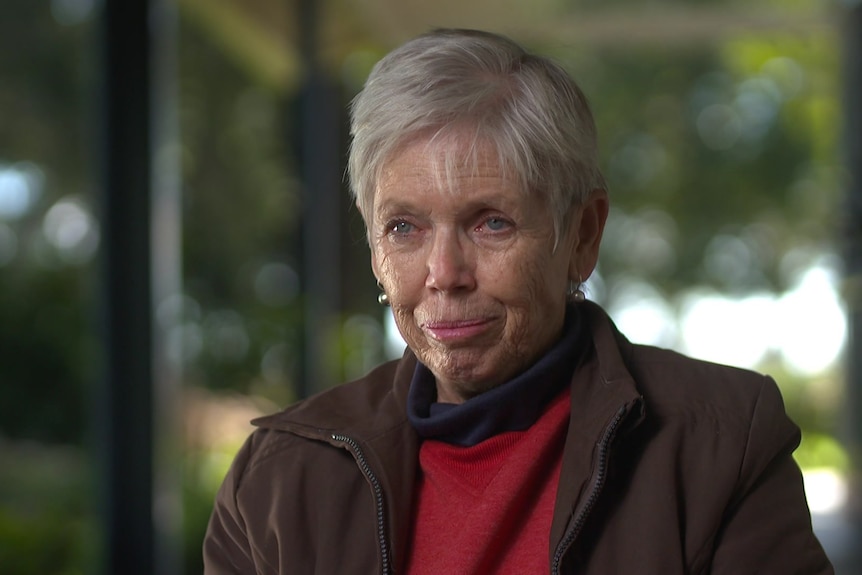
[(477, 289)]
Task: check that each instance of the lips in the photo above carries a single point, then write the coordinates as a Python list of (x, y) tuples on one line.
[(450, 331)]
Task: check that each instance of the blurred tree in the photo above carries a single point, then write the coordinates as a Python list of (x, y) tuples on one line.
[(240, 229), (715, 149), (46, 344)]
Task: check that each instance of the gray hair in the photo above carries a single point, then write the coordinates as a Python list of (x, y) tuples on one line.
[(448, 81)]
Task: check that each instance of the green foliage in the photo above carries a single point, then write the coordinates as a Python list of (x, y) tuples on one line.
[(198, 496), (239, 190), (43, 545), (46, 340), (46, 350), (735, 142), (818, 451), (47, 523)]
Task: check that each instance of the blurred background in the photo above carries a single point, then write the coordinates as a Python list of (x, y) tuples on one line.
[(178, 253)]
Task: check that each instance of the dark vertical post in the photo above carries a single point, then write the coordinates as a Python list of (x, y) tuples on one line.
[(127, 397), (852, 227), (127, 403), (321, 217)]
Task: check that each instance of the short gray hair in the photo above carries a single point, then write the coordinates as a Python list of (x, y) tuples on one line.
[(449, 80)]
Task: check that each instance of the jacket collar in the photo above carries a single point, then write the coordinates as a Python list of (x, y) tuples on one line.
[(602, 390)]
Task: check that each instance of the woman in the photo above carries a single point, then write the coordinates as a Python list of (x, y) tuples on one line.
[(520, 432)]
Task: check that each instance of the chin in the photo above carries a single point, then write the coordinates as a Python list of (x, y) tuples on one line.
[(470, 380)]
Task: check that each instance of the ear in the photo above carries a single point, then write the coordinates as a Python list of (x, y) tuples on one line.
[(586, 227)]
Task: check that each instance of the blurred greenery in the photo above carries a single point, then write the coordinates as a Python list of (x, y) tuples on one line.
[(716, 144), (46, 516), (767, 172)]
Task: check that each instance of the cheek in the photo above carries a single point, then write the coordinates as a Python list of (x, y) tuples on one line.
[(406, 322), (525, 281), (400, 274)]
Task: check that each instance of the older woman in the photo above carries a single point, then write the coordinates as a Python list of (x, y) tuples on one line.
[(520, 432)]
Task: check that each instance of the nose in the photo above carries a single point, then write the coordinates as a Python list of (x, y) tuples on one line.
[(450, 266)]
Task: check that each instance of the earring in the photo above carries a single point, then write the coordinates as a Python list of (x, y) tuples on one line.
[(382, 298), (575, 294)]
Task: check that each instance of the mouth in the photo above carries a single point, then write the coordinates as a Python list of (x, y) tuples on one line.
[(449, 331)]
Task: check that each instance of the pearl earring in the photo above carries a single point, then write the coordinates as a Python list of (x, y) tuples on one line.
[(575, 294), (382, 297)]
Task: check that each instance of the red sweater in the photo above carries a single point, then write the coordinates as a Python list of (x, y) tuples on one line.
[(488, 508)]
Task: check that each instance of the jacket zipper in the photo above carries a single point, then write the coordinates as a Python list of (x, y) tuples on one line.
[(601, 472), (378, 498)]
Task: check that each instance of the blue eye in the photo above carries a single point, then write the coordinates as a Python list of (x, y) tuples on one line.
[(496, 224), (401, 227)]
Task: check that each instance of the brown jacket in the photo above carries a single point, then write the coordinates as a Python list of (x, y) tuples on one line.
[(671, 466)]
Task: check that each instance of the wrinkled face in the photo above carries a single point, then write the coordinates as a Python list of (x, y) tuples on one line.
[(468, 262)]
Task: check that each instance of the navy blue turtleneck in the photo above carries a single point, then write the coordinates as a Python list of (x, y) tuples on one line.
[(512, 406)]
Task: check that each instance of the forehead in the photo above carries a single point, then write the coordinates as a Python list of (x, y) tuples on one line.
[(450, 163)]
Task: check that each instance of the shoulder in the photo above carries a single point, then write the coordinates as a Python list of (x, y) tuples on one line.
[(689, 395), (730, 420), (711, 449), (676, 376), (675, 384)]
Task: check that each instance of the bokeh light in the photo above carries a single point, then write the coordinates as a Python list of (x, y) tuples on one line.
[(70, 228)]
